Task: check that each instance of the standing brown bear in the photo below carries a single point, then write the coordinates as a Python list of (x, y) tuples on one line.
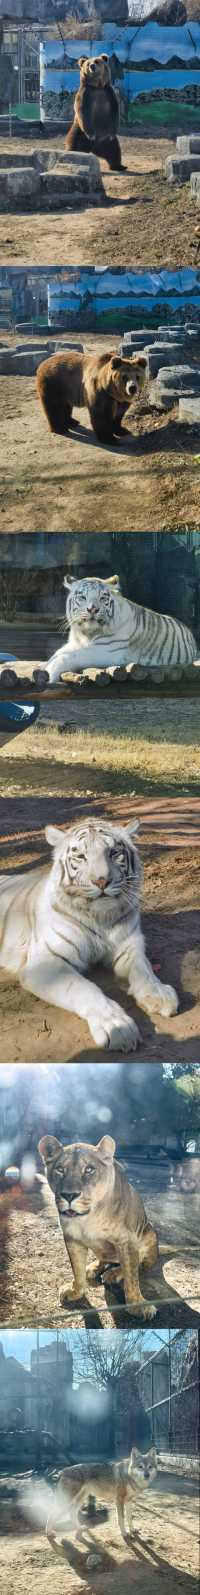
[(96, 119), (106, 383)]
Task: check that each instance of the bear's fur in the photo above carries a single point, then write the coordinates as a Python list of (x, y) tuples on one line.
[(96, 113), (106, 383)]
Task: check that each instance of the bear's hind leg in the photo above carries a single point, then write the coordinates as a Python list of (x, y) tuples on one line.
[(109, 149), (102, 418), (57, 410), (76, 139)]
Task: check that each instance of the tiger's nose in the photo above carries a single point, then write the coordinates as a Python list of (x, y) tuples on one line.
[(91, 609), (101, 880)]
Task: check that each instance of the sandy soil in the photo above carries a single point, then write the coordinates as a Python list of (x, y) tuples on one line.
[(149, 482), (29, 1564), (34, 1264), (142, 222), (171, 853)]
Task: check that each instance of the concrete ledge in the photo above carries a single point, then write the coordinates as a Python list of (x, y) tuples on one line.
[(179, 171), (189, 410), (50, 181), (23, 362), (188, 145), (195, 187)]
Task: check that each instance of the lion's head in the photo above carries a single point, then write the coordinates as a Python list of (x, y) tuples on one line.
[(79, 1175)]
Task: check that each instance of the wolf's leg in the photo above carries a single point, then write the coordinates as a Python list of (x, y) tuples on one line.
[(54, 980), (120, 1506), (78, 1257)]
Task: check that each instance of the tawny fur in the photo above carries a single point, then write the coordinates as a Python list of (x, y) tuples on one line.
[(106, 384), (96, 113), (99, 1211)]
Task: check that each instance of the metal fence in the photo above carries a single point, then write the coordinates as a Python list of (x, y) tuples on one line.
[(168, 1385)]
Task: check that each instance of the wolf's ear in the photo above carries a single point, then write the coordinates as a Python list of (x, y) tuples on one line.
[(47, 1147), (53, 835), (107, 1148)]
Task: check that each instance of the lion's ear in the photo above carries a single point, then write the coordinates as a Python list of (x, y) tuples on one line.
[(107, 1148), (48, 1146)]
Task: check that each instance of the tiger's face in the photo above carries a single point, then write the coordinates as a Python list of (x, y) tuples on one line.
[(95, 860), (93, 605), (79, 1175), (143, 1468)]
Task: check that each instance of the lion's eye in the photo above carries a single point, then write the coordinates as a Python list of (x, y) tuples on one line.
[(90, 1169)]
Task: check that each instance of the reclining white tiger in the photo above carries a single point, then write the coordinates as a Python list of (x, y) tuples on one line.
[(57, 921), (106, 629)]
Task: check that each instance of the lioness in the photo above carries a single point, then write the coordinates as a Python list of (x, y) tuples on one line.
[(99, 1211), (110, 1481)]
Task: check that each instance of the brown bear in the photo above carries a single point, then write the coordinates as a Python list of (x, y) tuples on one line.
[(106, 383), (96, 119)]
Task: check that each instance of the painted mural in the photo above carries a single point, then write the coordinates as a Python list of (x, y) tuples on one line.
[(102, 300), (154, 69)]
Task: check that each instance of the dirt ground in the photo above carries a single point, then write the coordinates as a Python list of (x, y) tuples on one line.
[(34, 1264), (123, 746), (170, 849), (149, 482), (164, 1545), (143, 221)]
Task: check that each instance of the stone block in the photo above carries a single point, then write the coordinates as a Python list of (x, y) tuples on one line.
[(189, 410), (179, 171), (195, 187), (18, 186)]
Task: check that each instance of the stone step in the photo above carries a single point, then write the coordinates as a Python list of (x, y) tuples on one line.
[(189, 410), (24, 362), (179, 171), (16, 184), (172, 382), (73, 180), (195, 187), (160, 354), (188, 144)]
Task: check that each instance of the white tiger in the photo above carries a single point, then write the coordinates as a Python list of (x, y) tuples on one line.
[(57, 921), (107, 629)]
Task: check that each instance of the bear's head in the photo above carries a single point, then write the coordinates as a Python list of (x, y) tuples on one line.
[(126, 378), (95, 70)]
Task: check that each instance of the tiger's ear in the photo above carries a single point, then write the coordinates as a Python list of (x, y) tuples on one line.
[(53, 835), (113, 581), (107, 1148), (68, 581), (48, 1146), (132, 828)]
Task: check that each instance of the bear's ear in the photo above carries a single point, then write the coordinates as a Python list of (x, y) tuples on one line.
[(116, 362), (104, 57), (139, 360), (81, 63), (48, 1147), (107, 1148)]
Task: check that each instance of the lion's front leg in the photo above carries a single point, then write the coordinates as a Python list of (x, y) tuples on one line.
[(78, 1259), (133, 1295)]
